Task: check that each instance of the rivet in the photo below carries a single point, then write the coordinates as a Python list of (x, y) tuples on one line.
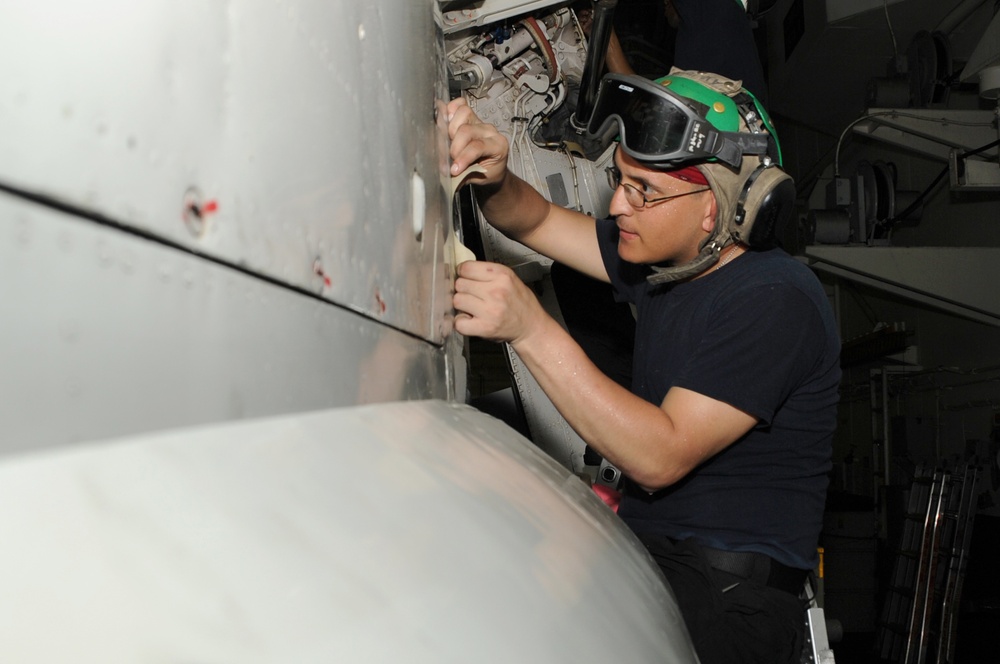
[(718, 107), (191, 211)]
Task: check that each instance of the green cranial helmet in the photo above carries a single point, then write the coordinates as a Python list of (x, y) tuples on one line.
[(697, 118), (753, 198)]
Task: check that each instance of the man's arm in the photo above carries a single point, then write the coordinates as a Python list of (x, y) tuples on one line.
[(653, 445), (513, 206)]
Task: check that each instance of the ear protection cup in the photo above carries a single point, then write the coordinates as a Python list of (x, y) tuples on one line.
[(765, 207)]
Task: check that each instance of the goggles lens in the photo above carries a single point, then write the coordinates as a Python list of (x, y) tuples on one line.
[(652, 125)]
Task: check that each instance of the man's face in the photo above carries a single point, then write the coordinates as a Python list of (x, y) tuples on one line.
[(668, 231)]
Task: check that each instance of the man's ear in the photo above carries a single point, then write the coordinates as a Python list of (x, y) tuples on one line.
[(711, 211)]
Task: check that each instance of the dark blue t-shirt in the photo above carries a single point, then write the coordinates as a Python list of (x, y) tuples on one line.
[(758, 334)]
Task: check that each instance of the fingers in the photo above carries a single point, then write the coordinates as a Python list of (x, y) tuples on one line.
[(471, 142), (479, 282), (475, 142), (454, 105), (491, 301), (475, 317), (485, 271)]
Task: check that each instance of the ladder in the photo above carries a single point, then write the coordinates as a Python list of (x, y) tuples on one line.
[(817, 645), (919, 616), (816, 649)]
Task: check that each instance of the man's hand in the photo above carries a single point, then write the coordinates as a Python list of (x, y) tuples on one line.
[(475, 142), (493, 303)]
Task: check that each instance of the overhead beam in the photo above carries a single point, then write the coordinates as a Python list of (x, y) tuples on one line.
[(958, 280), (934, 133)]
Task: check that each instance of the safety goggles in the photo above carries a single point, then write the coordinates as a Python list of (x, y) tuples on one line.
[(659, 128)]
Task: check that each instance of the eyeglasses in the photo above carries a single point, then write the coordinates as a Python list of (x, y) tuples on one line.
[(633, 196)]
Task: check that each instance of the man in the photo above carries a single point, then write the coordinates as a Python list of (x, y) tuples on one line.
[(725, 436)]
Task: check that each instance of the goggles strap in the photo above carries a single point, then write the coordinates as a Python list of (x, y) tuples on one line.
[(756, 144), (729, 152), (727, 147)]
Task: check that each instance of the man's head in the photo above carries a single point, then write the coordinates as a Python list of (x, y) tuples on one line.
[(707, 121), (663, 216)]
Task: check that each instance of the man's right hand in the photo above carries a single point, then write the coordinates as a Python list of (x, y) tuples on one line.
[(475, 142)]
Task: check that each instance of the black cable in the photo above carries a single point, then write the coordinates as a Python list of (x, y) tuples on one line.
[(889, 223), (862, 301), (980, 149)]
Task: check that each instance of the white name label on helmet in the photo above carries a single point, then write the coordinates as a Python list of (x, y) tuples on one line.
[(697, 138)]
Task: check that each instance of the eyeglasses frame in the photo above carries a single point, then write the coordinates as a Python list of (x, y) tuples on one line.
[(615, 180)]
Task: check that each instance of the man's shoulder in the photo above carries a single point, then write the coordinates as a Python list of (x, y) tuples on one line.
[(776, 261), (774, 281), (775, 266)]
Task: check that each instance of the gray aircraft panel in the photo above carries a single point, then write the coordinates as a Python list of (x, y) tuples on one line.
[(106, 334), (233, 129)]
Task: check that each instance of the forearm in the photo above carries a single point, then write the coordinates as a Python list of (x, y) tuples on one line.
[(616, 60), (631, 433), (512, 206)]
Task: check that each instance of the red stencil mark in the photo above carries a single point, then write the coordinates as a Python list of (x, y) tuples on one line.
[(318, 269)]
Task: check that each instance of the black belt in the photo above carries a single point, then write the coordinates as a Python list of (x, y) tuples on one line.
[(757, 567)]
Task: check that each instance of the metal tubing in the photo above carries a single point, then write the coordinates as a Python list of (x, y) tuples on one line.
[(885, 424), (958, 15), (600, 36)]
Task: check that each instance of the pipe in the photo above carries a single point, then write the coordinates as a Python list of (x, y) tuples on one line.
[(600, 37), (957, 15), (885, 425)]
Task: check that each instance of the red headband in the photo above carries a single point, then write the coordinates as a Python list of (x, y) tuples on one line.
[(688, 174)]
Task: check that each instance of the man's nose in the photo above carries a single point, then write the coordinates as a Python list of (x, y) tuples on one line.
[(619, 206)]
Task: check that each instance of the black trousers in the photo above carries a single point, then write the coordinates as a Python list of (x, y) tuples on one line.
[(730, 620)]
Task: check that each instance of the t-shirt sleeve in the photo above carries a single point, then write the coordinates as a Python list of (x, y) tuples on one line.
[(761, 345)]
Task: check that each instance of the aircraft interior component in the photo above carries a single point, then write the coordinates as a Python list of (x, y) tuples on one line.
[(528, 88)]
